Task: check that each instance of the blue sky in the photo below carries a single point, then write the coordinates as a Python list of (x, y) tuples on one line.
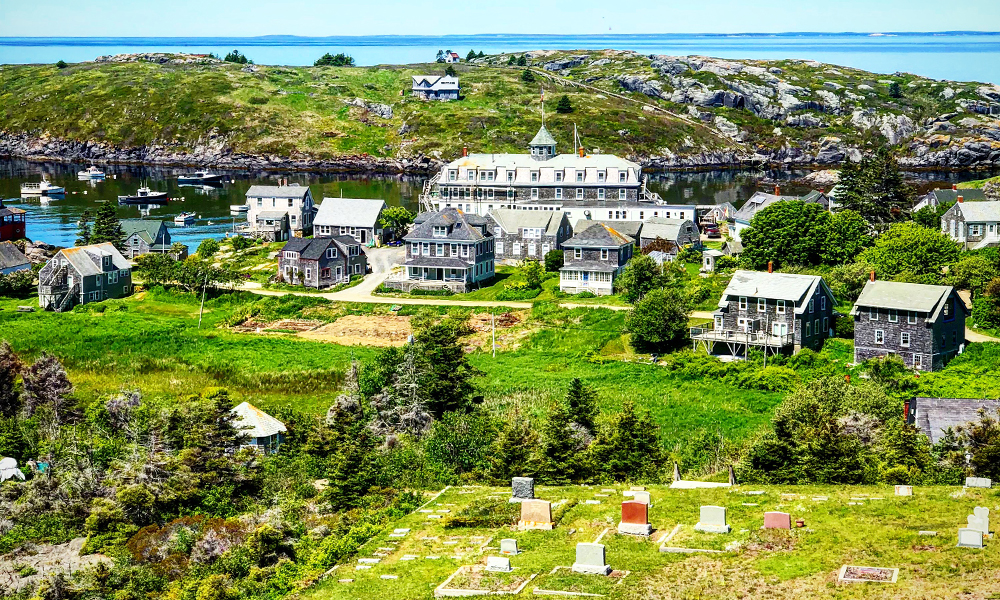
[(85, 18)]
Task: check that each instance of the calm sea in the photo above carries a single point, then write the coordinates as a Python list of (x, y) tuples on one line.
[(958, 56)]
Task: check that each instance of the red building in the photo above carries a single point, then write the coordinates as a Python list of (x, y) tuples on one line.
[(11, 223)]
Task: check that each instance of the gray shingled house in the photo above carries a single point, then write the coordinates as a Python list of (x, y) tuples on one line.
[(82, 275), (593, 259), (922, 324), (776, 312), (975, 225), (356, 217), (680, 232), (321, 262), (12, 259), (447, 250), (293, 200), (935, 198), (528, 234), (934, 416), (143, 236)]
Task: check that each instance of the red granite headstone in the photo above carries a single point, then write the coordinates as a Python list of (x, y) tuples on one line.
[(777, 520), (635, 513)]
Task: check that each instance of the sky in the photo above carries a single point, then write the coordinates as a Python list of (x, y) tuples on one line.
[(183, 18)]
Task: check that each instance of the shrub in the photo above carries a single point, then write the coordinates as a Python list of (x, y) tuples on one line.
[(61, 64), (18, 284), (527, 76), (491, 514), (242, 243), (843, 327), (208, 247), (338, 60), (658, 322), (586, 295), (512, 295), (259, 100), (554, 261)]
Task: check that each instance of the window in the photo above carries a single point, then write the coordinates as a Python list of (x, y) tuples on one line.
[(779, 307), (559, 176), (260, 202), (816, 327), (911, 317), (879, 336), (414, 249), (454, 250), (604, 254), (761, 305), (559, 193), (873, 314), (472, 175), (534, 193), (822, 303), (465, 250), (331, 252), (743, 303), (975, 230), (622, 175), (510, 194), (309, 273), (579, 193), (812, 304), (427, 249), (452, 175), (291, 203), (123, 273), (808, 329), (826, 323), (579, 176), (440, 231), (510, 176), (918, 361), (947, 309), (600, 194), (531, 248), (577, 253), (600, 176), (291, 255), (893, 315), (718, 323), (904, 339), (357, 269), (482, 176), (534, 176), (499, 247), (324, 273), (439, 250), (621, 194)]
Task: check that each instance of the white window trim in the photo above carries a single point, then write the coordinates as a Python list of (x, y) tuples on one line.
[(880, 337), (761, 305)]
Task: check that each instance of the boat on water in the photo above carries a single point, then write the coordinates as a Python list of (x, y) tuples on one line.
[(90, 172), (238, 209), (185, 217), (44, 188), (200, 177), (144, 195)]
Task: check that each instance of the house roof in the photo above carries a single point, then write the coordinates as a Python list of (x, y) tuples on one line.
[(255, 422), (313, 249), (659, 256), (950, 195), (559, 161), (934, 415), (668, 229), (86, 259), (598, 235), (435, 82), (629, 228), (511, 220), (461, 226), (7, 211), (438, 262), (902, 296), (760, 200), (774, 286), (278, 191), (732, 247), (543, 138), (975, 212), (349, 212), (11, 257), (148, 230)]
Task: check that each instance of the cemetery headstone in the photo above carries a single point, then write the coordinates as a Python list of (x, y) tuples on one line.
[(642, 496), (970, 538), (713, 520), (904, 490), (522, 488), (978, 482), (635, 518), (498, 564), (508, 547), (637, 488), (591, 560), (980, 520), (777, 520), (677, 472), (536, 514)]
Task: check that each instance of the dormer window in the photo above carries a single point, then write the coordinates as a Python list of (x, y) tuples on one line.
[(331, 253), (510, 176), (579, 176), (600, 176), (472, 175), (452, 175), (440, 231), (559, 176), (534, 176), (622, 175), (604, 254), (577, 253)]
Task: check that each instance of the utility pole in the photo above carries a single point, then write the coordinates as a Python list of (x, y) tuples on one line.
[(493, 320), (202, 310)]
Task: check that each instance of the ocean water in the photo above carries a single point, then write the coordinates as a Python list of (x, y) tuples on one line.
[(957, 56)]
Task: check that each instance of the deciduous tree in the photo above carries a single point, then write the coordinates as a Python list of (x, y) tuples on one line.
[(910, 251), (658, 322)]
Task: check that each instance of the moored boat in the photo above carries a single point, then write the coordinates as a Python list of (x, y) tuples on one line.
[(90, 172), (200, 177), (44, 188), (144, 195), (184, 218), (238, 209)]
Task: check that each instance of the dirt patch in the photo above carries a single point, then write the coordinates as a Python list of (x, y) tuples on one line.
[(280, 326), (363, 330), (510, 331), (35, 563)]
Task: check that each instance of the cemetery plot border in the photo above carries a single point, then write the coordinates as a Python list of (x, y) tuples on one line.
[(445, 591), (618, 576), (855, 574)]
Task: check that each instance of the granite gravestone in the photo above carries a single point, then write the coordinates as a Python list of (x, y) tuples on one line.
[(970, 538), (635, 518), (777, 520), (980, 520), (536, 514), (523, 488), (642, 496), (498, 564), (713, 520), (591, 560), (904, 490), (978, 482), (508, 547)]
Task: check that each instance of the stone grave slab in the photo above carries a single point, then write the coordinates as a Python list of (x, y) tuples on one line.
[(388, 576), (536, 514), (904, 490), (592, 502), (970, 538), (522, 488), (591, 559), (635, 518), (362, 567), (853, 574), (713, 520), (642, 496), (508, 547), (404, 531), (369, 561), (978, 482), (980, 520), (498, 564), (637, 488), (777, 520)]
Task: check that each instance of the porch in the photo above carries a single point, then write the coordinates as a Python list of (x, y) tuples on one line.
[(737, 342)]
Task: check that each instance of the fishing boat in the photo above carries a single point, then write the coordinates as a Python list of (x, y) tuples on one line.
[(238, 209), (90, 172), (184, 218), (144, 195), (199, 177), (45, 188)]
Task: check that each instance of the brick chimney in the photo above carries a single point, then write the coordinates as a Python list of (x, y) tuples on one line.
[(871, 276), (906, 411), (960, 199), (954, 186), (465, 151), (770, 266), (582, 152), (777, 190)]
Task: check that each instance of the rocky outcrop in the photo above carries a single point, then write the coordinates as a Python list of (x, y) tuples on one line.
[(895, 128), (568, 63), (383, 111), (161, 58)]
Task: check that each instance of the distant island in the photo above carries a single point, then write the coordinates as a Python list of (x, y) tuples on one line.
[(663, 112)]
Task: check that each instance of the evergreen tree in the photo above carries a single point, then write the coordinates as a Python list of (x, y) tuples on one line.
[(480, 55), (894, 90), (446, 375), (527, 76), (440, 56), (564, 106), (83, 229), (559, 461), (10, 367), (46, 384), (107, 227), (628, 447), (470, 55), (512, 450), (582, 401), (354, 469), (522, 61), (511, 61), (450, 72), (874, 188)]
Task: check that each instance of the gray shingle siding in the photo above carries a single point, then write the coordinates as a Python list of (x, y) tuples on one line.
[(62, 283), (459, 258), (308, 262), (821, 314), (932, 344)]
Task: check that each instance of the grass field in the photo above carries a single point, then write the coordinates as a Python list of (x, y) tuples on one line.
[(879, 530)]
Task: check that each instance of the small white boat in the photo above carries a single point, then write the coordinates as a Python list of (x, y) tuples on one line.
[(199, 177), (45, 188), (184, 218), (238, 209), (91, 172)]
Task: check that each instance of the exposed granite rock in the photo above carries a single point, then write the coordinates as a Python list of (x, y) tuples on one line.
[(158, 58), (568, 63), (383, 111)]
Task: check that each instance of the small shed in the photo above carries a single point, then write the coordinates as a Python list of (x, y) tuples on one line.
[(708, 260), (266, 433)]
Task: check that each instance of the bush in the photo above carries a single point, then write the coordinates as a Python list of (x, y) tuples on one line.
[(586, 295), (208, 248), (658, 322), (527, 76), (511, 295), (18, 284), (242, 243), (259, 100), (61, 64), (486, 514), (554, 261), (338, 60)]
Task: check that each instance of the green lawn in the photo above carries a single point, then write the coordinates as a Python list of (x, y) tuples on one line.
[(780, 565)]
